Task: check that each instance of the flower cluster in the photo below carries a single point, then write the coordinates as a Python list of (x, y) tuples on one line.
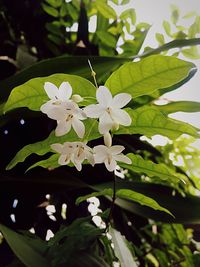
[(63, 107)]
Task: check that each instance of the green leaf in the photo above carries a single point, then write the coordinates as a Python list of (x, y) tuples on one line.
[(184, 106), (164, 196), (194, 28), (149, 75), (124, 2), (50, 10), (122, 251), (175, 14), (190, 15), (23, 249), (151, 169), (125, 194), (32, 94), (43, 147), (160, 38), (106, 10), (150, 121), (50, 163), (107, 38), (192, 52), (105, 192), (129, 13), (73, 240), (167, 27), (141, 199), (54, 3)]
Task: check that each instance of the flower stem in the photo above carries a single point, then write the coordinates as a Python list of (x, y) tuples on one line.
[(93, 73)]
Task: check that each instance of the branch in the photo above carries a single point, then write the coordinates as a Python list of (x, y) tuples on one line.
[(173, 44)]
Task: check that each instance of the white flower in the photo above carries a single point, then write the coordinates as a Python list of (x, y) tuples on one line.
[(108, 110), (57, 96), (109, 156), (75, 152), (66, 151), (82, 152), (70, 117)]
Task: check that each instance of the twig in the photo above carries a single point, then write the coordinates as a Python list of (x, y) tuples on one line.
[(93, 73)]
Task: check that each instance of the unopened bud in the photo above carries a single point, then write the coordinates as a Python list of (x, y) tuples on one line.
[(115, 126), (77, 98), (107, 139)]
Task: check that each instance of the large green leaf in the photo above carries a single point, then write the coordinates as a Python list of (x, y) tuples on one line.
[(141, 199), (149, 75), (106, 10), (32, 94), (184, 106), (185, 209), (126, 194), (160, 170), (149, 121), (43, 147), (23, 249), (122, 251), (64, 64)]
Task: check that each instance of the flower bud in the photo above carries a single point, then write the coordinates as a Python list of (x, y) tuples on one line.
[(107, 139), (77, 98)]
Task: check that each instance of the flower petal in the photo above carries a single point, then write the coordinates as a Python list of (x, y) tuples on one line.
[(121, 100), (53, 111), (104, 96), (122, 158), (110, 164), (122, 117), (105, 123), (57, 147), (94, 111), (63, 127), (78, 127), (114, 150), (65, 91), (64, 160), (78, 165), (51, 90), (100, 153)]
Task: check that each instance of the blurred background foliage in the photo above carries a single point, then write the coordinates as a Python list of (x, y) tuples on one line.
[(39, 38)]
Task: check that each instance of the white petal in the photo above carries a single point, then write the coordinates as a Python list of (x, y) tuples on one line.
[(68, 147), (81, 114), (65, 91), (63, 127), (94, 111), (64, 159), (110, 165), (53, 112), (79, 127), (57, 147), (107, 139), (105, 123), (78, 165), (104, 96), (122, 158), (121, 116), (90, 157), (51, 90), (121, 100), (114, 150), (100, 153)]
